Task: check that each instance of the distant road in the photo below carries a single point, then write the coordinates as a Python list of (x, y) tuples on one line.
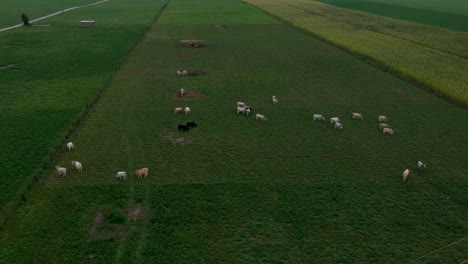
[(53, 14)]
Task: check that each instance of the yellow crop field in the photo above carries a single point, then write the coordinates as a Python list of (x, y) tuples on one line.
[(432, 56)]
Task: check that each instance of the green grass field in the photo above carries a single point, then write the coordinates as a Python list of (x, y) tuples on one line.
[(433, 57), (243, 191), (10, 12), (451, 14), (58, 70)]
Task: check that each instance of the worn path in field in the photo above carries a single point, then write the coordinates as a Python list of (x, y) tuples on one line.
[(53, 14)]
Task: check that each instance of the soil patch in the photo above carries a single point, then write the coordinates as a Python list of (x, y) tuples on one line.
[(181, 140), (97, 221), (137, 213), (218, 26), (7, 66), (187, 95), (192, 43)]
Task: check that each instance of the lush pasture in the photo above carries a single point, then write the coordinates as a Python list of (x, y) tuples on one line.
[(451, 14), (10, 11), (243, 191), (57, 71), (431, 56)]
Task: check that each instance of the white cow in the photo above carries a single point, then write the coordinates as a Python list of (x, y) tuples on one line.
[(318, 117), (405, 174), (121, 174), (260, 117), (61, 170), (182, 92), (240, 104), (383, 125), (70, 146), (334, 120), (338, 125), (187, 110), (275, 101), (358, 116), (421, 165), (241, 109), (388, 131), (184, 73), (383, 119), (77, 165), (248, 111)]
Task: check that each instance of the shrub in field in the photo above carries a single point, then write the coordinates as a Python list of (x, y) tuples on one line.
[(25, 19)]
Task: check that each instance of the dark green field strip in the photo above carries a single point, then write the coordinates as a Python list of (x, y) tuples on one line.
[(422, 16), (58, 71), (243, 191), (226, 223)]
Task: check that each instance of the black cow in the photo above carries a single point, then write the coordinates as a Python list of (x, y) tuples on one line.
[(191, 124), (183, 128)]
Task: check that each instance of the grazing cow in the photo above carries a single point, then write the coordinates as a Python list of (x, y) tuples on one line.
[(77, 165), (421, 165), (70, 146), (358, 116), (338, 125), (334, 120), (318, 117), (178, 110), (405, 174), (275, 101), (183, 128), (182, 92), (191, 124), (383, 119), (248, 111), (61, 170), (121, 175), (388, 131), (260, 117), (187, 110), (142, 172), (184, 73), (383, 125), (179, 73), (241, 110)]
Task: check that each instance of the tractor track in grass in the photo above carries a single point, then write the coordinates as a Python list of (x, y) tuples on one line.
[(53, 14)]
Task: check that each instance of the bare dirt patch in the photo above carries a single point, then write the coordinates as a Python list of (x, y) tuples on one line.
[(137, 213), (97, 221), (186, 96), (181, 140), (192, 43), (218, 26), (7, 66)]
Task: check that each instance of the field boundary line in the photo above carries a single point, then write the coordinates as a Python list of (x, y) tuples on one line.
[(53, 14), (367, 59), (449, 245)]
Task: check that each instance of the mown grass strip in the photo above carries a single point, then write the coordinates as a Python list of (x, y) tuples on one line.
[(433, 57)]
